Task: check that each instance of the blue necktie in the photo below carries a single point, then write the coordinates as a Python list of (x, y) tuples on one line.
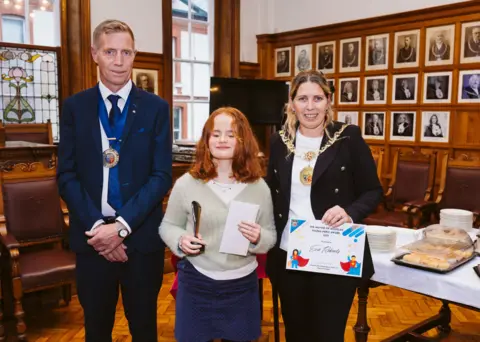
[(114, 118)]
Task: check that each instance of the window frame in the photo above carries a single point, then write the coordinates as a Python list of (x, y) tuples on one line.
[(184, 100), (15, 17)]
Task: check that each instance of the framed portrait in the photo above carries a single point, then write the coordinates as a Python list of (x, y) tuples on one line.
[(439, 45), (348, 117), (349, 91), (374, 125), (146, 79), (303, 58), (437, 87), (283, 58), (470, 44), (376, 53), (375, 90), (402, 126), (435, 127), (406, 45), (350, 54), (405, 88), (333, 87), (469, 86), (326, 57)]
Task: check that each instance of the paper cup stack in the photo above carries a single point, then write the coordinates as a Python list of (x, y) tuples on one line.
[(456, 218), (381, 239)]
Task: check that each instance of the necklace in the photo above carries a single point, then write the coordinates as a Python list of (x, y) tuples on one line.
[(439, 56), (406, 59), (351, 61), (223, 187), (306, 174), (471, 48)]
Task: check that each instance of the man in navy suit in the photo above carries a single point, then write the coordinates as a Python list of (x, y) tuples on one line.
[(114, 169)]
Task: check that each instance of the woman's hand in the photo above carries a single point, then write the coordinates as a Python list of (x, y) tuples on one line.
[(250, 230), (336, 216), (190, 245)]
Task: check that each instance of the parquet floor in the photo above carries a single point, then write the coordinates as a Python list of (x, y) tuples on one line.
[(390, 310)]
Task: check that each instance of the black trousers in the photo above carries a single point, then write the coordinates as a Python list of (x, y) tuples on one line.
[(98, 283), (315, 306)]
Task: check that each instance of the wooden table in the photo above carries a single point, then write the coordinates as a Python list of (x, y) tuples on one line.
[(460, 287)]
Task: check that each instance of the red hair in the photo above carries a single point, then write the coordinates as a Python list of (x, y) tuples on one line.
[(246, 166)]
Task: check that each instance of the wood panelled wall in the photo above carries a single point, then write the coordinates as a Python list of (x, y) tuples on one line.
[(464, 121)]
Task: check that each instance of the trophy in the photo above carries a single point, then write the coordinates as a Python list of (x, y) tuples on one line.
[(196, 212)]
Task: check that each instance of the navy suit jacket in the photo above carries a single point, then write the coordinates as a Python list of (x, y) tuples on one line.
[(145, 167)]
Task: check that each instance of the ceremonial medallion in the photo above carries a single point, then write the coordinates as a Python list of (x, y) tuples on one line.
[(110, 158), (306, 175)]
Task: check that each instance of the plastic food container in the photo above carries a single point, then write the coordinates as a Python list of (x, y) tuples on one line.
[(440, 249)]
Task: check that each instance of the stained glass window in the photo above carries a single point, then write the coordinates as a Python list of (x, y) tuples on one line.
[(29, 87)]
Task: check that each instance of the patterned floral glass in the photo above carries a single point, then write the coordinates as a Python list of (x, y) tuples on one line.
[(29, 87)]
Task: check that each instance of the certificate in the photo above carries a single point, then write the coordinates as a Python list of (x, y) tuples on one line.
[(316, 247)]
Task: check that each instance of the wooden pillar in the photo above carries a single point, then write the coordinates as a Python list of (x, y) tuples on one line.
[(76, 61), (227, 38), (167, 56)]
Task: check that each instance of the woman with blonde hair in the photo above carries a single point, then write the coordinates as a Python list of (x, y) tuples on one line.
[(217, 294), (319, 169)]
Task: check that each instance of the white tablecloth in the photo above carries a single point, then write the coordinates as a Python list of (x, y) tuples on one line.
[(461, 285)]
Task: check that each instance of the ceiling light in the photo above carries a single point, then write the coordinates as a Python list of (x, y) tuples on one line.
[(17, 6), (6, 2), (43, 8)]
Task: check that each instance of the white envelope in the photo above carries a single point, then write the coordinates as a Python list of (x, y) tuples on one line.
[(233, 242)]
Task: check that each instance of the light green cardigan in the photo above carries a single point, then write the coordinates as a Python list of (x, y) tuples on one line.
[(178, 221)]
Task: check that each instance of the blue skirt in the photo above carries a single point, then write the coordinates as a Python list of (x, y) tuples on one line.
[(208, 309)]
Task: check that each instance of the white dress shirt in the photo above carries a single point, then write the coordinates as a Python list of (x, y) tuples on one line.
[(107, 210)]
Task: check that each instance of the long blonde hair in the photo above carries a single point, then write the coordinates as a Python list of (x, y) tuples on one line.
[(291, 122)]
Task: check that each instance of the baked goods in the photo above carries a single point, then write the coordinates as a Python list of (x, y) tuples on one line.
[(427, 260), (440, 248)]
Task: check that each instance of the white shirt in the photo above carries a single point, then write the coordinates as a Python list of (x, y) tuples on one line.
[(107, 210), (300, 205)]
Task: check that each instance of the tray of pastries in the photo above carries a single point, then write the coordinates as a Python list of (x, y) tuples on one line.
[(440, 249)]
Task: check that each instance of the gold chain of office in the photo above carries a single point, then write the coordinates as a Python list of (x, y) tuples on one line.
[(306, 174)]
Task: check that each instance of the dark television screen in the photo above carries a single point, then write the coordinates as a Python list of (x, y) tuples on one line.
[(262, 101)]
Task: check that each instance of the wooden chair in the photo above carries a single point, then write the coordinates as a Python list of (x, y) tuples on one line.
[(36, 132), (34, 235), (378, 153), (412, 178), (459, 187)]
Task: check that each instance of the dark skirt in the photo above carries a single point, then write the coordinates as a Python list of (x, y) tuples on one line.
[(208, 309)]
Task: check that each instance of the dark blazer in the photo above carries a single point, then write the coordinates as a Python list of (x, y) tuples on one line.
[(145, 167), (344, 175)]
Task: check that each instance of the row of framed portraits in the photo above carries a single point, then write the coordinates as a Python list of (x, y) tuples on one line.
[(434, 125), (437, 88), (439, 48)]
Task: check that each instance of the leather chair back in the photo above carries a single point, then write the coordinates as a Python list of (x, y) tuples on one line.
[(412, 175), (32, 203), (460, 184)]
